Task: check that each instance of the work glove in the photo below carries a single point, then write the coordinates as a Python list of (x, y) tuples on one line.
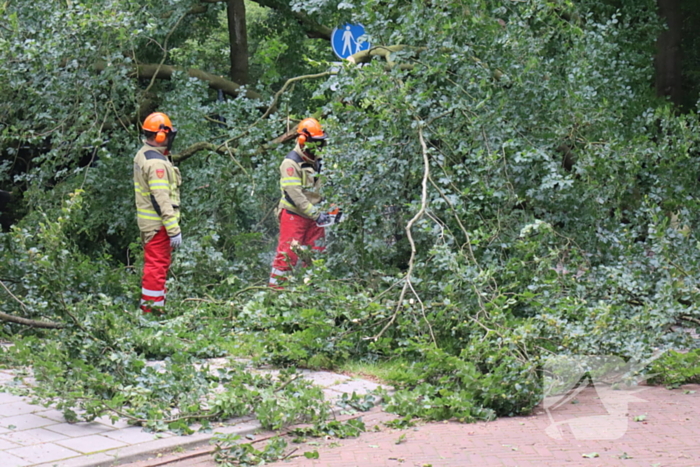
[(324, 220), (176, 241)]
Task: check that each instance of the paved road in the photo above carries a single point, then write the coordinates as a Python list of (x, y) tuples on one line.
[(655, 427)]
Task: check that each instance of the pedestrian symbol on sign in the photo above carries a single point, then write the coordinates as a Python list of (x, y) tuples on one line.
[(348, 40)]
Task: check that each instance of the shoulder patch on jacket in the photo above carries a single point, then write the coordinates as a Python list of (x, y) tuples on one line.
[(149, 155), (295, 157)]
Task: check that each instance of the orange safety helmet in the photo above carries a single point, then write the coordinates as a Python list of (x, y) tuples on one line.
[(160, 124), (310, 130)]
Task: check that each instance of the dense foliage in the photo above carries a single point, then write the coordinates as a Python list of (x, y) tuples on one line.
[(513, 189)]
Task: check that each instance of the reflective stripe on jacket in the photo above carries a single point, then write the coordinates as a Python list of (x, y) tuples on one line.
[(156, 186), (300, 185)]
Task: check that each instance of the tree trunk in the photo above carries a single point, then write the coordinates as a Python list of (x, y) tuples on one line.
[(668, 52), (238, 40)]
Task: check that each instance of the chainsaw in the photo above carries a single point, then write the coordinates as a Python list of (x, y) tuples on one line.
[(332, 217)]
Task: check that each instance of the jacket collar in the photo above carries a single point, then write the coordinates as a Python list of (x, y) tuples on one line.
[(303, 156), (161, 149)]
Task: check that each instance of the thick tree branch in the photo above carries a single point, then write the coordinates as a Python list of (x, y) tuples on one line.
[(147, 71), (281, 139), (386, 51), (24, 321), (194, 149), (215, 82), (222, 148), (290, 81), (29, 322)]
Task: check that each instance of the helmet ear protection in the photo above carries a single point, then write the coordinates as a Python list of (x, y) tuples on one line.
[(162, 135), (303, 136)]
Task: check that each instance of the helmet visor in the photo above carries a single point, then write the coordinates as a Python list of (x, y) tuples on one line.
[(171, 138), (314, 146), (316, 142)]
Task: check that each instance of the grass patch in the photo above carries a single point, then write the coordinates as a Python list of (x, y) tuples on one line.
[(395, 371), (675, 369), (244, 345)]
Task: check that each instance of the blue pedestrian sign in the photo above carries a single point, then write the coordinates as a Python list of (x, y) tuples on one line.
[(345, 40)]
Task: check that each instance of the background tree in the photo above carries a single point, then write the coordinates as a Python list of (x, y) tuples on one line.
[(238, 38)]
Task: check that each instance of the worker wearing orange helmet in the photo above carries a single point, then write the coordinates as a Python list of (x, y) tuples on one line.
[(301, 223), (157, 186)]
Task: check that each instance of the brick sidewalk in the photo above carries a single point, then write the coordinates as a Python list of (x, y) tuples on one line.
[(668, 435)]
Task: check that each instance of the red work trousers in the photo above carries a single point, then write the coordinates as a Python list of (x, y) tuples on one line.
[(155, 270), (296, 231)]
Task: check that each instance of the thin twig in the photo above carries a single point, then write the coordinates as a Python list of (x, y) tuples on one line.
[(165, 53), (168, 421), (72, 316), (690, 318), (200, 300), (289, 82), (482, 308), (206, 452), (384, 292), (409, 226), (25, 321), (262, 221), (24, 307), (230, 153), (92, 158), (459, 222), (273, 105), (289, 454), (422, 309), (254, 287)]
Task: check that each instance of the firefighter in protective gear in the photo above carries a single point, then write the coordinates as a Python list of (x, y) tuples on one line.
[(297, 212), (156, 184)]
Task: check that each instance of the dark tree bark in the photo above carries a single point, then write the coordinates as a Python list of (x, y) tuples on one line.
[(669, 78), (238, 40), (5, 198)]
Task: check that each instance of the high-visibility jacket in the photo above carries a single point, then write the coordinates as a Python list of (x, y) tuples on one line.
[(157, 186), (300, 183)]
